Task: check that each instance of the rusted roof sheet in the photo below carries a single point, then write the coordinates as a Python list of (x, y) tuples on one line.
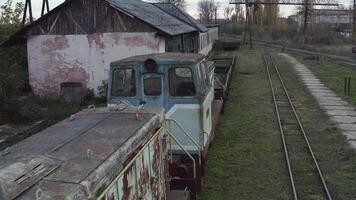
[(75, 157), (181, 15), (183, 57), (153, 15)]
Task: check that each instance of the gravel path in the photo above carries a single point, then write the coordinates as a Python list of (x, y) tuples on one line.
[(340, 111)]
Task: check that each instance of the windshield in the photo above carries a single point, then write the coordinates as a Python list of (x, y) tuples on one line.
[(124, 82), (181, 82)]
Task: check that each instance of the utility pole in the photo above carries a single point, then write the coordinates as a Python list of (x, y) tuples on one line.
[(216, 16), (354, 23), (306, 14), (248, 23), (28, 7), (44, 5)]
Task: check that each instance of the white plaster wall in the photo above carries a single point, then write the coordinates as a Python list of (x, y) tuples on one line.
[(54, 59), (206, 49), (206, 40)]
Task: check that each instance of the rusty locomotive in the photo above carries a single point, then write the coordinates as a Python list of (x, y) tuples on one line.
[(150, 142)]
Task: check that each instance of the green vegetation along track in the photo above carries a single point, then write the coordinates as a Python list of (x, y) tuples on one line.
[(246, 160), (307, 182)]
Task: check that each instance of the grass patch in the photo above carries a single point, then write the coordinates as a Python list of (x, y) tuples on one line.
[(333, 76), (29, 109), (246, 159), (336, 160)]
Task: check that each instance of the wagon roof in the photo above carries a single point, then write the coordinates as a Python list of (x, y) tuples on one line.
[(182, 57), (77, 156)]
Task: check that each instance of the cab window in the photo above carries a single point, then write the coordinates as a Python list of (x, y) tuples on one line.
[(152, 85), (181, 82), (124, 82), (205, 75), (200, 80)]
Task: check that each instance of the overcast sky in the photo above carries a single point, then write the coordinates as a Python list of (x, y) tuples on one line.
[(191, 6)]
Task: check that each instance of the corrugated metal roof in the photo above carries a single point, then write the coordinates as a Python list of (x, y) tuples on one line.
[(137, 8), (152, 15), (181, 15)]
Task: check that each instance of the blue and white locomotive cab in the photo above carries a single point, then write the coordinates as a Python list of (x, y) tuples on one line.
[(180, 83)]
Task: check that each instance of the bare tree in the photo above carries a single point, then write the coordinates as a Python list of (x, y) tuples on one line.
[(257, 14), (238, 15), (271, 13), (182, 4), (228, 13), (207, 10)]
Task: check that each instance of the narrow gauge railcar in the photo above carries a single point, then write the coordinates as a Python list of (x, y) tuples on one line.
[(183, 84), (125, 151), (104, 154)]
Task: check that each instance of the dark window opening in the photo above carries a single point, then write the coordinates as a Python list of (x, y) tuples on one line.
[(124, 82), (152, 85), (181, 82)]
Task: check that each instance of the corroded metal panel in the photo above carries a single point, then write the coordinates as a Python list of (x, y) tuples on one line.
[(54, 59), (19, 176), (76, 159), (144, 178)]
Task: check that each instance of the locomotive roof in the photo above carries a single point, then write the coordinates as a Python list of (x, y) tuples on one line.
[(76, 157), (176, 57)]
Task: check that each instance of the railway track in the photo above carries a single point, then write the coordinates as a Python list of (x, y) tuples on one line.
[(342, 60), (306, 178)]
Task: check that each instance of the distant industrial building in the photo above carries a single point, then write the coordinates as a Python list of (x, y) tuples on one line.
[(76, 41), (332, 18)]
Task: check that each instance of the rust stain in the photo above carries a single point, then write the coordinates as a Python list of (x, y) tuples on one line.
[(116, 37), (57, 43), (97, 39), (140, 41), (144, 177), (56, 70), (155, 175), (110, 197), (50, 85), (125, 186)]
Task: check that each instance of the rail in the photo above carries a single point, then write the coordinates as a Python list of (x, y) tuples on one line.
[(188, 135), (291, 178), (189, 155), (311, 152), (342, 60)]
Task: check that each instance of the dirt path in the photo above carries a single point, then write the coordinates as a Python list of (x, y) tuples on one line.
[(341, 112)]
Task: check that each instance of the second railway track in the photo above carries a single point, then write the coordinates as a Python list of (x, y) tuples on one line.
[(306, 178)]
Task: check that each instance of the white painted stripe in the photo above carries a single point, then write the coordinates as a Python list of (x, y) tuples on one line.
[(182, 106), (188, 148)]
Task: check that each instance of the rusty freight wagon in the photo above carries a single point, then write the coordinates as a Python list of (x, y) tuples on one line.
[(224, 67), (102, 153)]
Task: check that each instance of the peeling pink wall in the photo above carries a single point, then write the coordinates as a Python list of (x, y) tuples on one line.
[(54, 59)]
